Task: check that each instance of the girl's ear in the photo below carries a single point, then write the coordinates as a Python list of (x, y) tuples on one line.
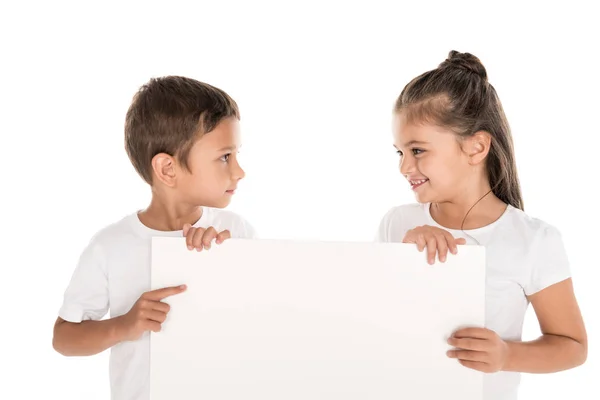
[(478, 146)]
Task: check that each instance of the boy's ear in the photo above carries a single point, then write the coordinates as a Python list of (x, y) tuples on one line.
[(164, 169), (478, 147)]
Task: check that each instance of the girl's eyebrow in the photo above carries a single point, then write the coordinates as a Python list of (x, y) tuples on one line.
[(411, 143)]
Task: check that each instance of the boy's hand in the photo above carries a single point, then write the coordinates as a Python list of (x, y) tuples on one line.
[(148, 313), (435, 239), (200, 238), (479, 348)]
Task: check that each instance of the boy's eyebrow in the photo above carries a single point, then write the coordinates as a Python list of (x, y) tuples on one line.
[(228, 148)]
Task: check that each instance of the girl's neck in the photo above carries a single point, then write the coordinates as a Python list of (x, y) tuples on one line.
[(451, 214)]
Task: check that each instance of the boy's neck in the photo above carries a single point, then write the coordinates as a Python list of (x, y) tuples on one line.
[(162, 216), (452, 214)]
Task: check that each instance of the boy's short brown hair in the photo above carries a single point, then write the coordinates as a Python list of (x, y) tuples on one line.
[(168, 114)]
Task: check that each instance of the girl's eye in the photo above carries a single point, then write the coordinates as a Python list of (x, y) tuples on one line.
[(417, 151), (399, 153), (225, 158)]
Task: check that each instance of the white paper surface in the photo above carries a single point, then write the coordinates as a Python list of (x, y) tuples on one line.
[(313, 320)]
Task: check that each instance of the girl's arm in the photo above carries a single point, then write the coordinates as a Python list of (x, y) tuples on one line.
[(563, 344)]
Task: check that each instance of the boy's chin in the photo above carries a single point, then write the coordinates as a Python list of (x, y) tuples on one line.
[(218, 203)]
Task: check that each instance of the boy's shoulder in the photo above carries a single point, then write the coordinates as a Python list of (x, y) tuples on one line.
[(115, 232), (129, 228), (239, 226)]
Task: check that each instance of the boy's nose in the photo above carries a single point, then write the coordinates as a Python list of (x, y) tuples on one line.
[(238, 172)]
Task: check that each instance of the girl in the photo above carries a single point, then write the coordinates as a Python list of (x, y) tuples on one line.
[(456, 152)]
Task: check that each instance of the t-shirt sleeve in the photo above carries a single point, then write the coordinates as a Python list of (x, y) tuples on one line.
[(550, 263), (86, 296), (391, 217), (381, 234), (250, 231), (244, 230)]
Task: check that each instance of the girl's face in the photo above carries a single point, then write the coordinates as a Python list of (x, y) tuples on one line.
[(432, 161)]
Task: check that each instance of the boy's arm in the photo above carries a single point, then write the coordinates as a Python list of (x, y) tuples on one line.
[(79, 329), (91, 337), (86, 338)]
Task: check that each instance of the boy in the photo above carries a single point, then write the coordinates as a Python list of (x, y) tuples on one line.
[(182, 137)]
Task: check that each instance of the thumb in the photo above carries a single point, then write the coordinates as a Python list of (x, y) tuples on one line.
[(461, 241), (186, 229), (221, 237)]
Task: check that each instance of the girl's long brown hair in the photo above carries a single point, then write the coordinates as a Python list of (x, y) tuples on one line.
[(458, 96)]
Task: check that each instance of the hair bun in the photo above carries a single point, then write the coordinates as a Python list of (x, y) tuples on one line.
[(465, 61)]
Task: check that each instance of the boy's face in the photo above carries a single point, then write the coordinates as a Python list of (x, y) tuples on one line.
[(215, 171)]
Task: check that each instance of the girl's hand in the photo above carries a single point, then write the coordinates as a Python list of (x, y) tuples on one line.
[(479, 348), (435, 239)]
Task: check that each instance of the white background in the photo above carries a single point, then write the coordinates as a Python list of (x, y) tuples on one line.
[(315, 84)]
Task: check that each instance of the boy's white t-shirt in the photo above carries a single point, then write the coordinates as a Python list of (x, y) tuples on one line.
[(112, 273), (523, 256)]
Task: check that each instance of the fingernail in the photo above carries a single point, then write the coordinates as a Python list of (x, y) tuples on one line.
[(182, 287), (190, 248), (443, 258)]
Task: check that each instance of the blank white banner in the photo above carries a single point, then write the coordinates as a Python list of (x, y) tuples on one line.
[(285, 320)]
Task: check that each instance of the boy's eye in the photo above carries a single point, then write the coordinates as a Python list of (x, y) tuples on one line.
[(225, 158)]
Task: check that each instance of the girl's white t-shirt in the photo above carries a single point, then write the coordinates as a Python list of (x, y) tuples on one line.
[(523, 256)]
